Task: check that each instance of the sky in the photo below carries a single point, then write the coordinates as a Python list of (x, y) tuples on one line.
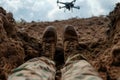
[(48, 10)]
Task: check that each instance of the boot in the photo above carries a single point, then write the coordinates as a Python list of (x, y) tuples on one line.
[(49, 41), (70, 41)]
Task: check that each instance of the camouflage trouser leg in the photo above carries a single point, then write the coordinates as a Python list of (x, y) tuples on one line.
[(78, 70), (118, 78), (35, 69)]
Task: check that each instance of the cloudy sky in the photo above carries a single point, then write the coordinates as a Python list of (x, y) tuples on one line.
[(47, 10)]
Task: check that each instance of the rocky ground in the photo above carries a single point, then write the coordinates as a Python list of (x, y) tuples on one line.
[(99, 42)]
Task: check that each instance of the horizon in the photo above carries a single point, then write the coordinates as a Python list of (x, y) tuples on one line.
[(30, 10)]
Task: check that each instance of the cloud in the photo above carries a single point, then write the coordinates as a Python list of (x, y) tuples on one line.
[(13, 5), (47, 10), (95, 10)]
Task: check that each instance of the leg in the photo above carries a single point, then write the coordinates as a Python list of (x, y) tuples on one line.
[(42, 68), (35, 69), (76, 67), (79, 70)]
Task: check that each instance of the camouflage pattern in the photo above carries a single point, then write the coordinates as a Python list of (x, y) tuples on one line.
[(35, 69), (44, 69), (78, 70)]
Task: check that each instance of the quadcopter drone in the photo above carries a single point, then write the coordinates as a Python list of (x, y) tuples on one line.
[(68, 5)]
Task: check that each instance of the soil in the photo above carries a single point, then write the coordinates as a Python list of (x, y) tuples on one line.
[(99, 42)]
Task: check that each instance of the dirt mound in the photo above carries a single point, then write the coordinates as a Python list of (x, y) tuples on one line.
[(98, 41), (11, 51)]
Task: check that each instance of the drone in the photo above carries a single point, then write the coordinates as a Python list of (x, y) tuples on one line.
[(68, 5)]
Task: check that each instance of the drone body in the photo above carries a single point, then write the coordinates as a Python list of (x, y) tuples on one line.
[(68, 5)]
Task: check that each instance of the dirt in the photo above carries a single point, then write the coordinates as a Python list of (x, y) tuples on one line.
[(99, 42)]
